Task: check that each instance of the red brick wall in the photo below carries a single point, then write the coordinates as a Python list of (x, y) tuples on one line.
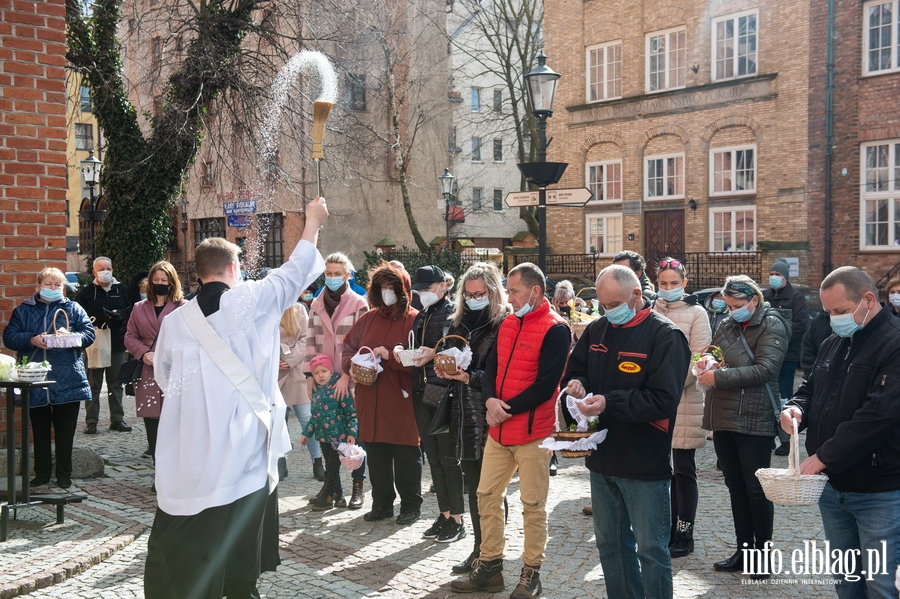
[(32, 149)]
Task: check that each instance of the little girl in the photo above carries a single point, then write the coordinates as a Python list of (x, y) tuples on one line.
[(331, 421)]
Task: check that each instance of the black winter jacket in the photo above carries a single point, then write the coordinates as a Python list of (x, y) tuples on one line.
[(429, 326), (788, 298), (640, 368), (819, 330), (468, 427), (851, 408), (109, 308)]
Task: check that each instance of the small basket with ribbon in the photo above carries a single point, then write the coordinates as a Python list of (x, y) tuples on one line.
[(788, 486), (61, 337), (449, 360), (410, 353), (364, 374)]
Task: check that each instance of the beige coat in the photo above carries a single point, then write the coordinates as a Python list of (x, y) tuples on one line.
[(292, 382), (694, 323)]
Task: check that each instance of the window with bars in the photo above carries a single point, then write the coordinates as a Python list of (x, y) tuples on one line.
[(498, 200), (498, 150), (666, 60), (204, 228), (733, 170), (604, 179), (271, 229), (477, 199), (881, 194), (604, 71), (734, 46), (881, 37), (732, 229), (84, 136), (603, 234), (84, 97), (476, 149), (664, 177)]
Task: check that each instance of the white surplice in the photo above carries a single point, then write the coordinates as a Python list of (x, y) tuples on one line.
[(212, 448)]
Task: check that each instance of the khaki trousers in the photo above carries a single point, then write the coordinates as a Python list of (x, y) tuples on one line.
[(498, 466)]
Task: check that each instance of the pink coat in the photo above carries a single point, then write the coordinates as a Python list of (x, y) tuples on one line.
[(326, 333), (140, 337)]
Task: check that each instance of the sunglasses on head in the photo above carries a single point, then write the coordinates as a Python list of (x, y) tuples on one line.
[(669, 264)]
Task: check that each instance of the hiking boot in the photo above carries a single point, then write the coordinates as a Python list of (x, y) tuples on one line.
[(321, 494), (452, 531), (529, 584), (485, 576), (466, 565), (683, 543), (318, 470), (358, 496), (435, 529)]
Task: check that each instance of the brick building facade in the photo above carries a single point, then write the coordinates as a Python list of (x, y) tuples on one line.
[(865, 172), (32, 149), (689, 123)]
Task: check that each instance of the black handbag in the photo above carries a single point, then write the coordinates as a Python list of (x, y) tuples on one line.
[(440, 423), (130, 371)]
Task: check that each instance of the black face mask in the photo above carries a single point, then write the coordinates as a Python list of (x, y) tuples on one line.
[(161, 290)]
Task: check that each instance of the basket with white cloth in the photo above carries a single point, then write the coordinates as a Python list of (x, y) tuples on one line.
[(410, 353), (61, 338), (788, 486)]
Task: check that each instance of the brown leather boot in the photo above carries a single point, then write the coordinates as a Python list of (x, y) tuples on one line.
[(529, 584), (485, 576), (356, 500)]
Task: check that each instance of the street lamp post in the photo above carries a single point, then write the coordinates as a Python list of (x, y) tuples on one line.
[(184, 233), (90, 168), (447, 189), (540, 84)]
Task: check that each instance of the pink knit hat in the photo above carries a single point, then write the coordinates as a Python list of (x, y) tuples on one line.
[(321, 360)]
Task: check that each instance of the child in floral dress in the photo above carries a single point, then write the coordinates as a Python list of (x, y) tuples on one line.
[(332, 422)]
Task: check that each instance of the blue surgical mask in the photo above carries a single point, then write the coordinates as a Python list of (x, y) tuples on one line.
[(334, 283), (478, 304), (844, 325), (51, 295), (776, 282), (718, 305), (670, 295), (621, 314), (521, 312), (742, 314)]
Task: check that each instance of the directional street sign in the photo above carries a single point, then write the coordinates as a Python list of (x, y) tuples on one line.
[(577, 196)]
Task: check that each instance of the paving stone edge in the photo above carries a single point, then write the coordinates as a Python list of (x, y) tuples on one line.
[(71, 568)]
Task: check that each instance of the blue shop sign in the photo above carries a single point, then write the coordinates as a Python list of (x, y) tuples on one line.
[(241, 207), (240, 221)]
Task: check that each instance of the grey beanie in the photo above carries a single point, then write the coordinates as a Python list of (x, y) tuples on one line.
[(782, 267)]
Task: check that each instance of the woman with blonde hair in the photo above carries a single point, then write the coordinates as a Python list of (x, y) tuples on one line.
[(164, 295)]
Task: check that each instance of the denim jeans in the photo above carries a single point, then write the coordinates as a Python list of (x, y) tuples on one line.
[(303, 412), (862, 521), (631, 524)]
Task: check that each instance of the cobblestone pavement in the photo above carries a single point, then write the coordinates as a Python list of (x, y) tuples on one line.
[(99, 551)]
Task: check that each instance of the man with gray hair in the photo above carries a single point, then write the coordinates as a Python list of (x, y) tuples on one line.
[(850, 409), (633, 361)]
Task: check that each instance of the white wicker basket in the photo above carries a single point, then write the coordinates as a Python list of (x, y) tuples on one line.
[(61, 338), (31, 375), (788, 486), (410, 353)]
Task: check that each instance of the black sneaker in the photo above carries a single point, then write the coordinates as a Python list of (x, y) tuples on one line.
[(452, 531), (435, 529), (783, 449)]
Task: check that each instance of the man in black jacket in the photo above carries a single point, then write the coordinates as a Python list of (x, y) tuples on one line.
[(851, 411), (783, 295), (634, 361), (107, 301)]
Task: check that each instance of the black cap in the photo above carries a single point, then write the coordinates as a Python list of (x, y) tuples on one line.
[(428, 276)]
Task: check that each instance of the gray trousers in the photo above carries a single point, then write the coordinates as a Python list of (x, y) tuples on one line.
[(115, 391)]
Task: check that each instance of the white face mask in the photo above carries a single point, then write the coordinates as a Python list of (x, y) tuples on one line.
[(388, 297), (428, 298), (105, 276), (894, 298)]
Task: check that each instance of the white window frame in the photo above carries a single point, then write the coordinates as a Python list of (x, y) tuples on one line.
[(607, 83), (894, 42), (890, 194), (605, 182), (473, 92), (665, 195), (606, 217), (668, 54), (712, 170), (733, 210), (735, 58)]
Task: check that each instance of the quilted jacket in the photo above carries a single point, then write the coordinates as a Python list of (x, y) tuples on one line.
[(431, 324), (739, 402), (34, 317)]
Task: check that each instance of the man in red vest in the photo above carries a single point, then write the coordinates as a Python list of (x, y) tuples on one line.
[(521, 382)]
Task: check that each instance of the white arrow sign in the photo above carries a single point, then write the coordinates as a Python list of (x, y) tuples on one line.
[(577, 196), (522, 198)]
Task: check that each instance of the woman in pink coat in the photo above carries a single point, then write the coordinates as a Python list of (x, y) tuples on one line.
[(163, 296)]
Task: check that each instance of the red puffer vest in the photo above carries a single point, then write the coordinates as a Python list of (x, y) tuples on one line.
[(519, 342)]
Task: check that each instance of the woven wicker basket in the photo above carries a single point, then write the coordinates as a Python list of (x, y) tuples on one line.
[(61, 340), (410, 353), (447, 364), (31, 375), (789, 487), (572, 436), (708, 349), (364, 376)]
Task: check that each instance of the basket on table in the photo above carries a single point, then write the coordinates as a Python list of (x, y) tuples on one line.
[(61, 338), (364, 376), (410, 353), (31, 375), (788, 486), (447, 364)]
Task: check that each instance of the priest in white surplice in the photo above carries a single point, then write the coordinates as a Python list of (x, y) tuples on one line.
[(222, 427)]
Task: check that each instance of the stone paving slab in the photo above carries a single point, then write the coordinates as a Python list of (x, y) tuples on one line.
[(337, 555)]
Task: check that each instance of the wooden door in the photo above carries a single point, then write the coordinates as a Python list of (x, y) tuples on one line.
[(664, 236)]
